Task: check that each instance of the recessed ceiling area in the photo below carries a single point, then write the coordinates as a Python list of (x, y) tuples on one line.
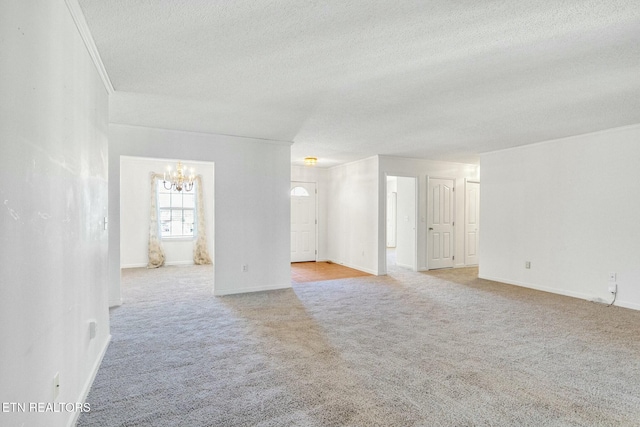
[(347, 80)]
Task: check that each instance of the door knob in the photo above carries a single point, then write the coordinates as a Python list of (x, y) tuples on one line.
[(430, 228)]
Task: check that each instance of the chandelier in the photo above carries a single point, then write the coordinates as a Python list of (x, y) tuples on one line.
[(177, 180)]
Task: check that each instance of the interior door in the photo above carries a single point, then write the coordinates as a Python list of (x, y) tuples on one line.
[(472, 223), (440, 223), (303, 221)]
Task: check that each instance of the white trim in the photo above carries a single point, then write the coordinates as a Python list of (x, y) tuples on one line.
[(422, 159), (144, 265), (222, 292), (375, 156), (579, 295), (566, 138), (356, 267), (410, 267), (168, 264), (566, 293), (193, 132), (87, 38), (630, 305), (116, 303), (134, 265), (89, 382)]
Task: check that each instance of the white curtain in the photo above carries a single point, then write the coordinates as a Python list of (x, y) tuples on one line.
[(156, 253), (200, 252)]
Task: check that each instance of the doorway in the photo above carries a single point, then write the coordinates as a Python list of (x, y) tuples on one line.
[(401, 227), (303, 221)]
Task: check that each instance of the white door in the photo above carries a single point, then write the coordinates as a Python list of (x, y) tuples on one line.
[(303, 221), (472, 223), (392, 204), (440, 222)]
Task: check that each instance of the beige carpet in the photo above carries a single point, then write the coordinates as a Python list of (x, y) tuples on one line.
[(408, 349)]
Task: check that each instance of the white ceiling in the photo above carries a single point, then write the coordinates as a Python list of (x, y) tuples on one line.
[(348, 79)]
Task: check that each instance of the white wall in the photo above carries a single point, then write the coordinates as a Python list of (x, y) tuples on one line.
[(420, 169), (353, 215), (406, 222), (135, 205), (252, 204), (319, 177), (571, 208), (53, 187)]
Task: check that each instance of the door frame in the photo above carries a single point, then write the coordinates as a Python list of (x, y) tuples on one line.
[(468, 181), (394, 200), (416, 178), (453, 243), (315, 196)]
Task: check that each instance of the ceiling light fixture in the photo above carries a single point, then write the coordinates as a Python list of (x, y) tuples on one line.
[(177, 179), (310, 161)]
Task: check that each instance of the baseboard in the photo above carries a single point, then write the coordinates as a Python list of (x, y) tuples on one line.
[(133, 265), (221, 292), (455, 266), (580, 295), (116, 303), (626, 304), (356, 267), (141, 265), (540, 288), (89, 382), (179, 263)]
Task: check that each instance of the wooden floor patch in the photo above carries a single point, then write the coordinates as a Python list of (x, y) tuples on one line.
[(317, 271)]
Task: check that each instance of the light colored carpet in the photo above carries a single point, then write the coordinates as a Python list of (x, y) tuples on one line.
[(408, 349)]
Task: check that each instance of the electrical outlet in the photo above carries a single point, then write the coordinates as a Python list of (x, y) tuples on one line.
[(613, 277), (613, 288), (245, 268), (527, 264), (56, 385)]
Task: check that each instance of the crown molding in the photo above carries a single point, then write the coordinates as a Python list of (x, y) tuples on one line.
[(87, 38)]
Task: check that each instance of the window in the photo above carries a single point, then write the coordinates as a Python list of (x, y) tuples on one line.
[(299, 191), (176, 212)]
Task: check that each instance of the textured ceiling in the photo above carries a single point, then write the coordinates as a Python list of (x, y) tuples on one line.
[(344, 80)]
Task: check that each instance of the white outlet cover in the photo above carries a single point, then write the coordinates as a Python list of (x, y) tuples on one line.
[(613, 277)]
